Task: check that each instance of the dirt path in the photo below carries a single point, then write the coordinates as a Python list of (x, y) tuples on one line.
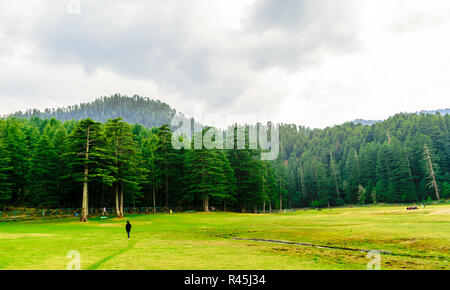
[(341, 248), (311, 245), (99, 263)]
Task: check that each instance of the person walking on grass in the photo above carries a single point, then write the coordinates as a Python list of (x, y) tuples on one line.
[(128, 228)]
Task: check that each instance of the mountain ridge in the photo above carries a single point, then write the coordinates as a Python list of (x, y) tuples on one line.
[(137, 110), (371, 122), (134, 110)]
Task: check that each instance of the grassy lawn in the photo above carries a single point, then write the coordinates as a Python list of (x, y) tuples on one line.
[(417, 239)]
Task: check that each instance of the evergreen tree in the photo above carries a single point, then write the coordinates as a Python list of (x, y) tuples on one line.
[(5, 175), (206, 178), (88, 154), (47, 163), (431, 169), (126, 162)]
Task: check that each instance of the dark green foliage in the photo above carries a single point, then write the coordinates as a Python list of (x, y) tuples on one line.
[(125, 165), (42, 163), (5, 174), (206, 179), (383, 160)]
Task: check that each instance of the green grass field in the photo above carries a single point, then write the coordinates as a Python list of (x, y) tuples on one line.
[(417, 239)]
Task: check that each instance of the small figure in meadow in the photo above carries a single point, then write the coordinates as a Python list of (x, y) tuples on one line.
[(128, 228)]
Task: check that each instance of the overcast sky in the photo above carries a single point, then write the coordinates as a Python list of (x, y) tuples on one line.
[(309, 62)]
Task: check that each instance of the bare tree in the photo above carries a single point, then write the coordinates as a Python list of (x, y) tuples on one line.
[(302, 179), (357, 162), (430, 171), (333, 168), (409, 166)]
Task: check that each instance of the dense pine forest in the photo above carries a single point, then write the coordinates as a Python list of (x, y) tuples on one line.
[(51, 163), (133, 110)]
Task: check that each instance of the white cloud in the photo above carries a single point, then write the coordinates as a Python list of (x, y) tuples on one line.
[(314, 63)]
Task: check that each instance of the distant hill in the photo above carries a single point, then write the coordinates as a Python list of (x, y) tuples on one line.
[(365, 122), (133, 110), (371, 122), (440, 111)]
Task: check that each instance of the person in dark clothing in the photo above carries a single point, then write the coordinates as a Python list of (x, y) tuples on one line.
[(128, 228)]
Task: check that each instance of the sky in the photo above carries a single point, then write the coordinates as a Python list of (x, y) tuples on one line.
[(314, 63)]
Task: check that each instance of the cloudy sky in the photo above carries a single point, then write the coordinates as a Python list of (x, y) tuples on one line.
[(310, 62)]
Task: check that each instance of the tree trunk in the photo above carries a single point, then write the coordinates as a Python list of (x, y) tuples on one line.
[(167, 190), (84, 204), (357, 163), (264, 206), (117, 201), (154, 200), (302, 180), (118, 213), (432, 175), (205, 204), (409, 167), (121, 201), (166, 178), (281, 196), (333, 167)]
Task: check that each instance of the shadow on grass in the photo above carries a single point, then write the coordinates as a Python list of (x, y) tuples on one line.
[(99, 263)]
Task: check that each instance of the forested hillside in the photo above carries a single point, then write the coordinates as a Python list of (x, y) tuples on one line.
[(48, 163), (404, 158), (371, 122), (133, 110)]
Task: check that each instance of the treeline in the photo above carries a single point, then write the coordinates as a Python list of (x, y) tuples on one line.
[(48, 163), (405, 158)]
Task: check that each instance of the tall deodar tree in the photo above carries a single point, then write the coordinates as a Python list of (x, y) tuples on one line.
[(126, 164), (87, 153)]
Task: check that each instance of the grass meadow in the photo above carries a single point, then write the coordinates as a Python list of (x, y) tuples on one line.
[(204, 241)]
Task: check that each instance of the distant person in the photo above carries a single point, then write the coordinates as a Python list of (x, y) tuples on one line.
[(104, 211), (128, 228)]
